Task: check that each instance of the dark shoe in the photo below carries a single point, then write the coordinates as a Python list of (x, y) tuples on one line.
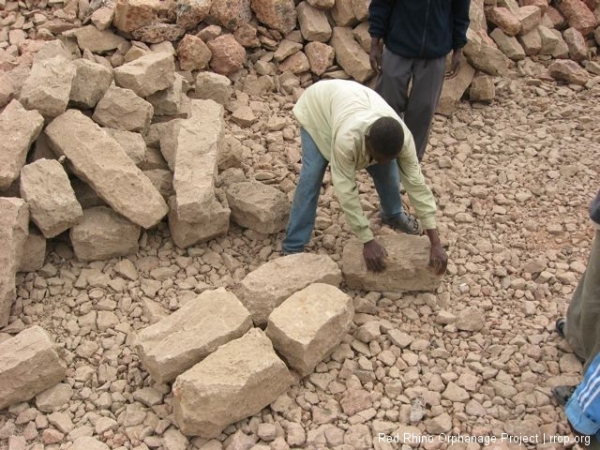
[(560, 327), (405, 223), (562, 394)]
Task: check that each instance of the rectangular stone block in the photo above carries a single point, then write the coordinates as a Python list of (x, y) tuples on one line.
[(198, 143), (53, 206), (214, 223), (309, 325), (14, 228), (408, 257), (268, 286), (148, 74), (34, 252), (29, 364), (101, 162), (238, 380), (122, 109), (23, 127), (178, 342)]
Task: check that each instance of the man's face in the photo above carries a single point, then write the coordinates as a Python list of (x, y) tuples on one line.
[(380, 159)]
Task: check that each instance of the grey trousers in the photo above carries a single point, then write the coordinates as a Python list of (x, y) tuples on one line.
[(416, 107), (582, 329)]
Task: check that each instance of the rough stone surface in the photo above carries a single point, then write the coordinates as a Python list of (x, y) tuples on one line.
[(14, 224), (34, 252), (578, 50), (509, 45), (505, 20), (132, 143), (122, 109), (133, 14), (29, 364), (228, 55), (237, 381), (183, 339), (320, 57), (97, 41), (277, 14), (104, 234), (264, 289), (569, 71), (453, 90), (231, 14), (52, 204), (578, 16), (482, 89), (169, 102), (120, 183), (406, 270), (90, 83), (193, 53), (532, 42), (48, 87), (343, 13), (309, 325), (158, 33), (212, 86), (148, 74), (488, 59), (313, 23), (350, 55), (23, 127), (530, 17), (192, 12), (258, 206)]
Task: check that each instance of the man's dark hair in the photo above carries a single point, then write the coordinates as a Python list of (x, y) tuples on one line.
[(386, 136)]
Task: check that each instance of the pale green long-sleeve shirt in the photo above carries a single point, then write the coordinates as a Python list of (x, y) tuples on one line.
[(337, 114)]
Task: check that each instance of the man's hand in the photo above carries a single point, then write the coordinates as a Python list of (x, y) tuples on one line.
[(438, 260), (375, 54), (457, 58), (374, 255)]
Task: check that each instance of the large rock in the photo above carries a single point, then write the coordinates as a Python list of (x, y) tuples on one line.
[(509, 45), (350, 55), (46, 188), (214, 223), (320, 57), (454, 88), (97, 41), (198, 141), (313, 23), (505, 20), (148, 74), (98, 159), (238, 380), (192, 12), (34, 252), (578, 15), (14, 228), (91, 82), (309, 325), (488, 59), (548, 40), (29, 364), (132, 143), (343, 13), (178, 342), (231, 14), (104, 234), (408, 257), (133, 14), (23, 127), (532, 42), (7, 89), (569, 71), (561, 49), (296, 64), (169, 102), (122, 109), (48, 87), (259, 207), (212, 86), (228, 55), (157, 33), (277, 14), (193, 53), (578, 50), (264, 289), (482, 89), (530, 17)]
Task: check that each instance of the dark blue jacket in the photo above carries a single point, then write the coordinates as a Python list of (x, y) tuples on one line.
[(595, 209), (424, 29)]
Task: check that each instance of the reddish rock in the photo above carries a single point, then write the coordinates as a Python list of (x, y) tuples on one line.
[(578, 15), (191, 12), (320, 57), (297, 63), (569, 71), (228, 55), (576, 43), (277, 14), (193, 53), (542, 4), (530, 17), (505, 20), (231, 14), (556, 18), (247, 35), (159, 32), (133, 14)]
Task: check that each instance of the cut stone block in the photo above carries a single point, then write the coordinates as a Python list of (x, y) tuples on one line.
[(48, 87), (122, 109), (453, 90), (101, 162), (53, 207), (408, 257), (133, 14), (29, 364), (168, 101), (350, 55), (198, 143), (104, 234), (509, 45), (34, 252), (91, 82), (212, 86), (268, 286), (238, 380), (183, 339), (23, 127), (482, 89), (259, 207), (14, 228), (148, 74), (309, 325), (313, 23), (132, 143)]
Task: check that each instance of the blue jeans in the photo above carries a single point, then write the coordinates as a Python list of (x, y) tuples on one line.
[(306, 199)]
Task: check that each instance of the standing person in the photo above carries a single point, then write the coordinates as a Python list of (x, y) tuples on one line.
[(350, 126), (417, 35)]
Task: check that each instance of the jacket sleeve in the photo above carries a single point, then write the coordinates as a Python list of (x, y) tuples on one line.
[(343, 175), (413, 181), (583, 408), (379, 17), (460, 22)]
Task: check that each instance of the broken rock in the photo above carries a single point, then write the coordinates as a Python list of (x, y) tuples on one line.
[(34, 252), (148, 74), (122, 109), (309, 325), (90, 83), (215, 222)]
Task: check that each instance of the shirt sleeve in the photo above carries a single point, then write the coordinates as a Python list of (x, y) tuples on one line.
[(343, 175), (413, 181), (583, 408), (379, 16), (460, 22)]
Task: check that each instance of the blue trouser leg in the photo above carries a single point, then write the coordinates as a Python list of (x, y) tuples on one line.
[(306, 198), (387, 182)]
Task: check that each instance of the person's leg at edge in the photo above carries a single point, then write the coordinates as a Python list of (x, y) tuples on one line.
[(386, 178), (581, 330), (393, 80), (427, 82), (306, 198)]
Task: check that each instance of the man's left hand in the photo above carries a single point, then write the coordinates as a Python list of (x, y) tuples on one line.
[(438, 259), (455, 64)]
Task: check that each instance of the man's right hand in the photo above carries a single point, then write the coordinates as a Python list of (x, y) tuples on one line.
[(374, 255), (375, 54)]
